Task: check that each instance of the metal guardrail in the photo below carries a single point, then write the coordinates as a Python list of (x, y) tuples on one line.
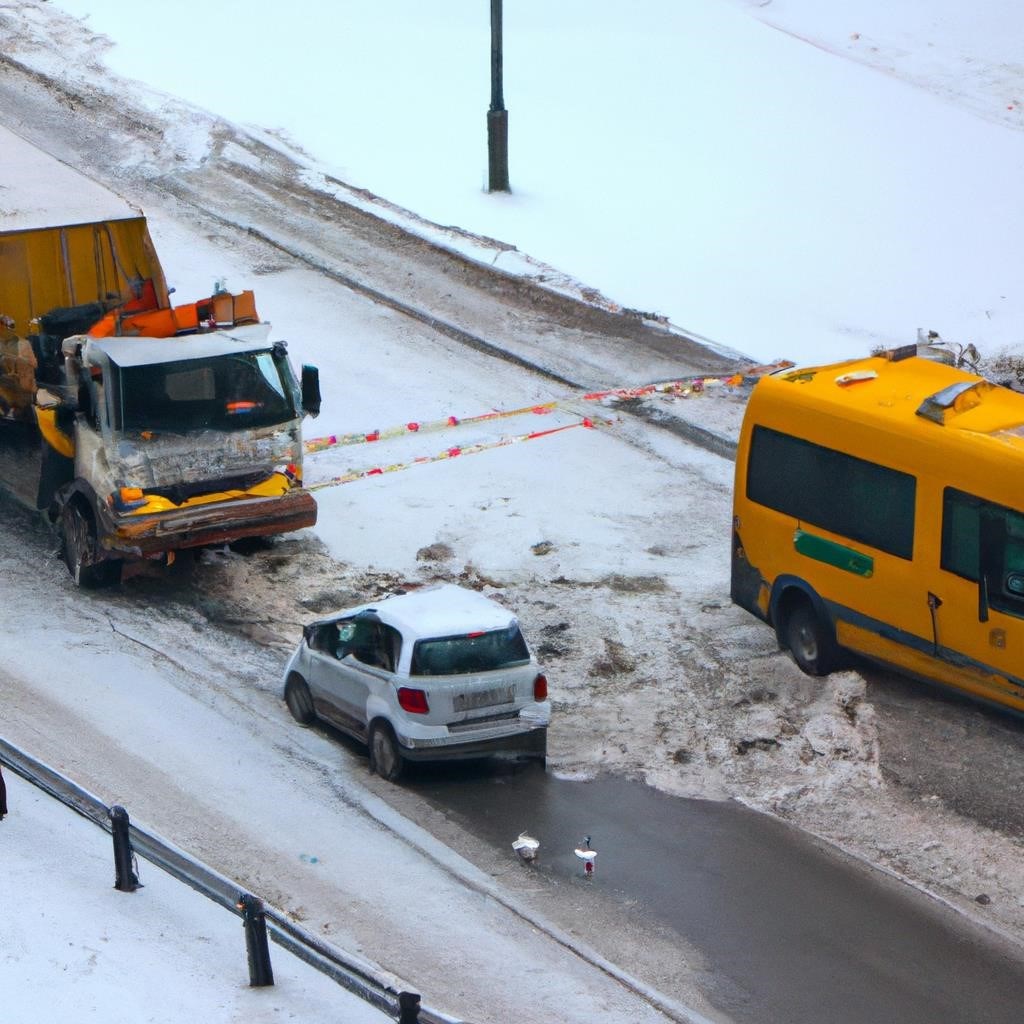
[(357, 976)]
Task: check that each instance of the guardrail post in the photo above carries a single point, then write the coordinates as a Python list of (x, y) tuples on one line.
[(254, 921), (408, 1008), (125, 879)]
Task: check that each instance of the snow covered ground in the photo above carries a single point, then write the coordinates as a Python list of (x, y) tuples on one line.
[(689, 160), (78, 950), (693, 162)]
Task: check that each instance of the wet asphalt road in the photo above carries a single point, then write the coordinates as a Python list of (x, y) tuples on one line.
[(790, 931)]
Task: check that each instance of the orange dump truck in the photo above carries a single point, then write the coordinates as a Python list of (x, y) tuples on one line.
[(137, 427)]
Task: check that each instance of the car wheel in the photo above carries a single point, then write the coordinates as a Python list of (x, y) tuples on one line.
[(299, 700), (78, 531), (809, 641), (385, 757)]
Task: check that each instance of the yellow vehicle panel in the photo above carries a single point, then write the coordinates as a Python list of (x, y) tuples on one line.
[(48, 268), (941, 453)]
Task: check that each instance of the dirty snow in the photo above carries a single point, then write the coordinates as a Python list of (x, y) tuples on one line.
[(611, 543)]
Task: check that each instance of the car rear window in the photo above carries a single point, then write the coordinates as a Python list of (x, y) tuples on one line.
[(469, 652)]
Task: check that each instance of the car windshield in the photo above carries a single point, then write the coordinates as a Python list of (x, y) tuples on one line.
[(231, 392), (469, 652)]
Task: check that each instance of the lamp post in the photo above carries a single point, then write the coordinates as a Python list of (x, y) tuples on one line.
[(497, 115)]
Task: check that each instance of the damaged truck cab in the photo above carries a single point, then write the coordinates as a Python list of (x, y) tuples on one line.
[(136, 427), (154, 445)]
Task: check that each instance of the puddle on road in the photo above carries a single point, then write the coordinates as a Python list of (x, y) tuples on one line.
[(786, 927)]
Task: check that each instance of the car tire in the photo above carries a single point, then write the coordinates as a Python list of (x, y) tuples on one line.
[(385, 756), (78, 533), (299, 700), (811, 643)]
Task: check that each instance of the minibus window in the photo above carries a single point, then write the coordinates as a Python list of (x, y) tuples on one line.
[(982, 541), (835, 491)]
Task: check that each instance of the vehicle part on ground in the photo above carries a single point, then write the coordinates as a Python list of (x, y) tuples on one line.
[(526, 847), (587, 855)]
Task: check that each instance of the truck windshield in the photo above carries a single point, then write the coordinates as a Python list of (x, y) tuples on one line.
[(231, 392)]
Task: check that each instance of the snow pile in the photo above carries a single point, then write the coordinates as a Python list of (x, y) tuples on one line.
[(715, 712)]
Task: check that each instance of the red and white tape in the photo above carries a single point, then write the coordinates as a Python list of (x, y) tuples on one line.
[(683, 387), (448, 453)]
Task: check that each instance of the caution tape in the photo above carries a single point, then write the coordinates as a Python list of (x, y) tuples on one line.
[(319, 444), (682, 387), (685, 387), (448, 453)]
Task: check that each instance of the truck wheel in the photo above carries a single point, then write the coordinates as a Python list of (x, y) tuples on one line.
[(299, 700), (79, 535), (385, 757), (809, 641)]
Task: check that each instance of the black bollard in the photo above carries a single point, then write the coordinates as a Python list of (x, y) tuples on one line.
[(254, 921), (408, 1008), (125, 879)]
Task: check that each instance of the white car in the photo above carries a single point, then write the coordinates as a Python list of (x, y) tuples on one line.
[(438, 673)]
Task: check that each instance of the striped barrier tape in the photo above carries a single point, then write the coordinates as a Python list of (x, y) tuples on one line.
[(686, 386), (448, 453), (683, 387), (320, 444)]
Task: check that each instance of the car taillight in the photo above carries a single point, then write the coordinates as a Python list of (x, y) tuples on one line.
[(540, 687), (413, 701)]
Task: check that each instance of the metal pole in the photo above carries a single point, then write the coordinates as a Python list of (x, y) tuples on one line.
[(408, 1008), (254, 921), (497, 116), (125, 879)]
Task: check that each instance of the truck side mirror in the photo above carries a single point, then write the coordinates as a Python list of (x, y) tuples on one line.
[(310, 390)]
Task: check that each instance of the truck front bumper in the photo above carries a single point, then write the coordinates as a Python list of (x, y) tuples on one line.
[(145, 536)]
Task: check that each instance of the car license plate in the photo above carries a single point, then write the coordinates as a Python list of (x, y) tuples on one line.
[(484, 698)]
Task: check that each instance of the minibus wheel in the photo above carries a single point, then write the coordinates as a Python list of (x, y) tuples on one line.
[(810, 641)]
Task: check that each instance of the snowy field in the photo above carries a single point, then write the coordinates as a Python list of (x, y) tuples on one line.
[(702, 162), (780, 198)]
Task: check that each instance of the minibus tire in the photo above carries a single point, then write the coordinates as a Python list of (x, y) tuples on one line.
[(810, 640)]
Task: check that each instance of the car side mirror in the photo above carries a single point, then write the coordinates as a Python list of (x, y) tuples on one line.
[(310, 390)]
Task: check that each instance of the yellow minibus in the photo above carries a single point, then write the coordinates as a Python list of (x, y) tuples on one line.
[(879, 509)]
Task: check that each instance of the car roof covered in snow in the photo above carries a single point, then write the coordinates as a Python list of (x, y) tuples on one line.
[(442, 609)]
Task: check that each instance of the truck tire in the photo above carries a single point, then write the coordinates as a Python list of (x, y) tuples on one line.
[(78, 532)]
